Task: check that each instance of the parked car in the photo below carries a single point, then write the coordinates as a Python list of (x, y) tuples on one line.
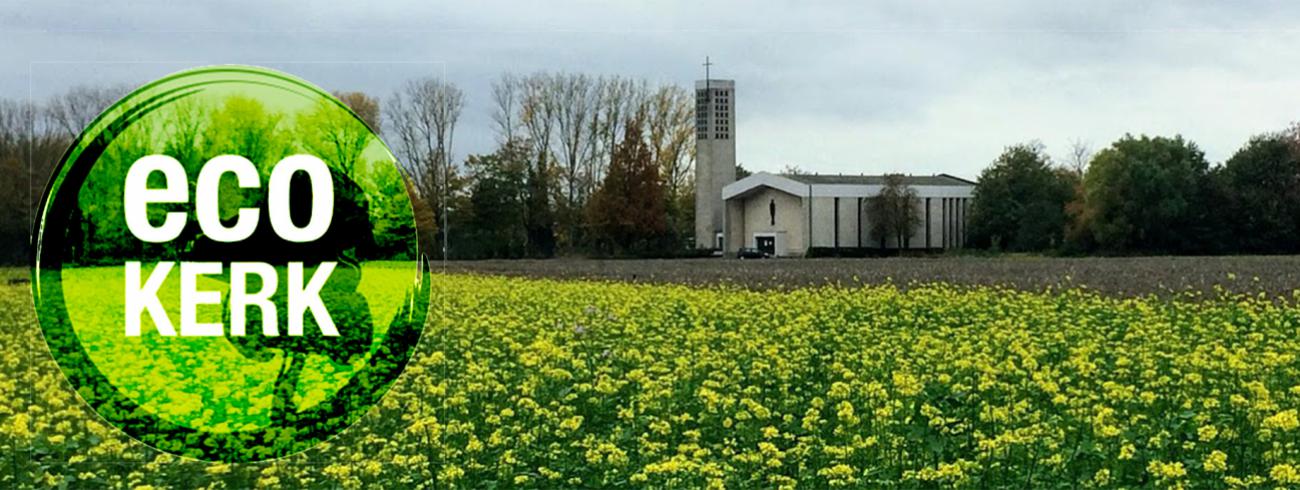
[(752, 253)]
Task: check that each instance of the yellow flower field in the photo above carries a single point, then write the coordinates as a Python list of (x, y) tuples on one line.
[(544, 384)]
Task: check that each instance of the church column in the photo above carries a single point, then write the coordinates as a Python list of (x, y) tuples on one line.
[(927, 223), (859, 222), (836, 230), (947, 222), (956, 223), (943, 218), (961, 223)]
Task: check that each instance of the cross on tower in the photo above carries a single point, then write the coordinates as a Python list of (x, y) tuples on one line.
[(707, 64)]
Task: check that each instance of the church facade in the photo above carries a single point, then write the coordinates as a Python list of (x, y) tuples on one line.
[(789, 215)]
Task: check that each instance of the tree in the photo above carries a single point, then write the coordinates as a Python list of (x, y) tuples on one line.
[(1020, 202), (537, 111), (499, 201), (540, 222), (334, 136), (1260, 185), (72, 111), (574, 99), (574, 122), (627, 211), (364, 106), (894, 212), (505, 97), (347, 238), (1146, 194), (742, 172), (21, 143), (423, 117), (671, 133), (242, 126), (1077, 161), (620, 98)]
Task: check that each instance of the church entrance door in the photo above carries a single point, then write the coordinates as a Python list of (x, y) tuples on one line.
[(766, 243)]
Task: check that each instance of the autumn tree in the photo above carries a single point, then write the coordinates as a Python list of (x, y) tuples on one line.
[(364, 106), (627, 211), (671, 136), (573, 122)]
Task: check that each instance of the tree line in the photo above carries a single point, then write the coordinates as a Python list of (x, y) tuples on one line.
[(590, 165), (603, 166), (1142, 195)]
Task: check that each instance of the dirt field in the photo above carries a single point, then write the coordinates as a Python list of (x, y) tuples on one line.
[(1274, 275)]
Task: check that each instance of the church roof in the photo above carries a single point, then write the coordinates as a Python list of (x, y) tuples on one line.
[(941, 185), (911, 180)]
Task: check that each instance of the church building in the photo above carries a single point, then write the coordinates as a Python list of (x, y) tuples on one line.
[(788, 215)]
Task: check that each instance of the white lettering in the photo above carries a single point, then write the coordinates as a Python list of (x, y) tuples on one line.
[(306, 298), (140, 299), (137, 196)]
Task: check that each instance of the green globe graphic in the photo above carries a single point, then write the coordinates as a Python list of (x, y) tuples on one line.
[(226, 265)]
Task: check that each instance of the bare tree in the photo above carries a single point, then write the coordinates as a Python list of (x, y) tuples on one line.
[(671, 128), (29, 150), (617, 102), (16, 133), (573, 100), (671, 132), (423, 117), (505, 96), (894, 212), (1080, 155), (576, 121), (537, 110), (16, 126), (793, 169), (72, 111)]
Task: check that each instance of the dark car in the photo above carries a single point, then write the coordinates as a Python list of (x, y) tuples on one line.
[(751, 253)]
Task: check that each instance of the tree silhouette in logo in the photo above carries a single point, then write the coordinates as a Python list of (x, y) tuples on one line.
[(348, 238)]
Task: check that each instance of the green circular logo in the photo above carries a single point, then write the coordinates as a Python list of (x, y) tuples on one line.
[(226, 265)]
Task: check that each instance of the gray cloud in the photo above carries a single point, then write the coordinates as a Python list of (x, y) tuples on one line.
[(849, 87)]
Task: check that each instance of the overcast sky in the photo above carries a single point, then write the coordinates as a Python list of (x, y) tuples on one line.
[(854, 87)]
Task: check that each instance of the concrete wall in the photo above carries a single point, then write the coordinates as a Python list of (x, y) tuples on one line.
[(747, 213), (848, 222), (715, 158), (735, 237), (823, 221), (949, 216), (754, 213), (933, 236)]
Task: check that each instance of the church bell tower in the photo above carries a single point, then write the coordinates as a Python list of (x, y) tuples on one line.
[(715, 155)]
